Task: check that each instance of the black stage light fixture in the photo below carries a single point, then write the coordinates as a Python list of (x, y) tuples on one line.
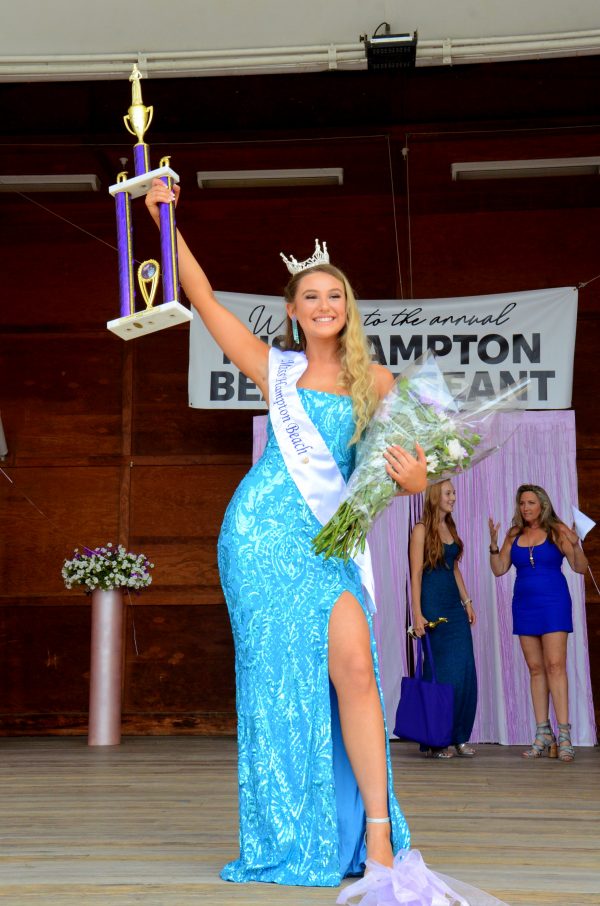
[(387, 52)]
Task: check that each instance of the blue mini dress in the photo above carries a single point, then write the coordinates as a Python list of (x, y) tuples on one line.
[(541, 600)]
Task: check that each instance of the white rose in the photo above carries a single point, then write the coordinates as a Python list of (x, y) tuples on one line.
[(432, 462), (456, 451)]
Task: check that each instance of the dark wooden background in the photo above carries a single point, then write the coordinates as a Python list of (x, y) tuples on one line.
[(102, 444)]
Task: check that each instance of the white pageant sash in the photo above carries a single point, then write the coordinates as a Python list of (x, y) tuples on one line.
[(305, 453)]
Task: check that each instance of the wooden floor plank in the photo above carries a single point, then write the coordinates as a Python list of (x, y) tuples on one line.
[(153, 820)]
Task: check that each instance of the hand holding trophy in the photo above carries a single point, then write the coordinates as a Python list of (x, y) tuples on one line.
[(132, 323), (430, 624)]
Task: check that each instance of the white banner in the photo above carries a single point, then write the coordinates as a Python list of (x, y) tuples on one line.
[(484, 344)]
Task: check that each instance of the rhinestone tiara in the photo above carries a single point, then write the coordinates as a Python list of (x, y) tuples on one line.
[(319, 256)]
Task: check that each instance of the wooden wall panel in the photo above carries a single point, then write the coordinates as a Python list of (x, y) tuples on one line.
[(268, 224), (44, 663), (163, 423), (504, 251), (63, 260), (176, 513), (586, 399), (182, 678), (61, 396), (431, 154), (79, 506)]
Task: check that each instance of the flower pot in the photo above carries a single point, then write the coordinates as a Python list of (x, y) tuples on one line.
[(104, 727)]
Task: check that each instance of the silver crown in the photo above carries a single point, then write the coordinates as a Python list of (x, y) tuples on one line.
[(320, 256)]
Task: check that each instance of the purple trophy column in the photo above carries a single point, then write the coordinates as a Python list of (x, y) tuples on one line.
[(125, 249), (141, 158), (104, 727), (168, 245)]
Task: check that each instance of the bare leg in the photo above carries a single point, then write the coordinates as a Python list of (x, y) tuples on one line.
[(361, 717), (531, 646), (554, 645)]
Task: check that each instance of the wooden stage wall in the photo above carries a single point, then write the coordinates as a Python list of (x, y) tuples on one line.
[(102, 444)]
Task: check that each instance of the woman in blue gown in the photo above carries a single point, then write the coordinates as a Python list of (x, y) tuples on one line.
[(314, 764), (438, 590), (536, 544), (300, 811)]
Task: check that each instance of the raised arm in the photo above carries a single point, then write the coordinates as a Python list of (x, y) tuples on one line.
[(499, 557), (568, 542), (417, 555), (246, 351)]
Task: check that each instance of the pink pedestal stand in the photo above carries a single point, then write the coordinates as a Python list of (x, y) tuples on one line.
[(104, 728)]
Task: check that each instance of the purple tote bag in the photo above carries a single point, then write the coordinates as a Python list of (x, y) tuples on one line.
[(426, 709)]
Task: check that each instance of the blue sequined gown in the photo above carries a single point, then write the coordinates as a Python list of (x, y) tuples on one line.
[(301, 816)]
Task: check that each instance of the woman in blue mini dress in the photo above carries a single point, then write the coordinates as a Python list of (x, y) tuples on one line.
[(535, 545)]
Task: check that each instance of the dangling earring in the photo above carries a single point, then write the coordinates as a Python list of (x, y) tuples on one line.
[(295, 333)]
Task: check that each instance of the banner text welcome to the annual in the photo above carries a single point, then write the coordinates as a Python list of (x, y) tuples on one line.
[(483, 343)]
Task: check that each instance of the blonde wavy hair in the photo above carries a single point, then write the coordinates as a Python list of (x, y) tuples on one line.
[(356, 376), (433, 554), (549, 521)]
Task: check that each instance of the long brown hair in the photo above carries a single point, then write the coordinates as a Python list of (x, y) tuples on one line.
[(355, 360), (433, 554), (549, 521)]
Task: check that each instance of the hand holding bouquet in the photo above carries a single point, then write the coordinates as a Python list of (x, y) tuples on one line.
[(418, 408)]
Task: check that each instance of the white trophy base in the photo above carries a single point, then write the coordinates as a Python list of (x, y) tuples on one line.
[(156, 318), (140, 185)]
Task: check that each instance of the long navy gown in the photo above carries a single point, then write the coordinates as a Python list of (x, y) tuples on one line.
[(451, 642)]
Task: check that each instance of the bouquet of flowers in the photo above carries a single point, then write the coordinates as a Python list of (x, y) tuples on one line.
[(107, 568), (454, 435)]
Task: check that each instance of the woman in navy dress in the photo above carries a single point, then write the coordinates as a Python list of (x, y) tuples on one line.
[(535, 545), (438, 590)]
